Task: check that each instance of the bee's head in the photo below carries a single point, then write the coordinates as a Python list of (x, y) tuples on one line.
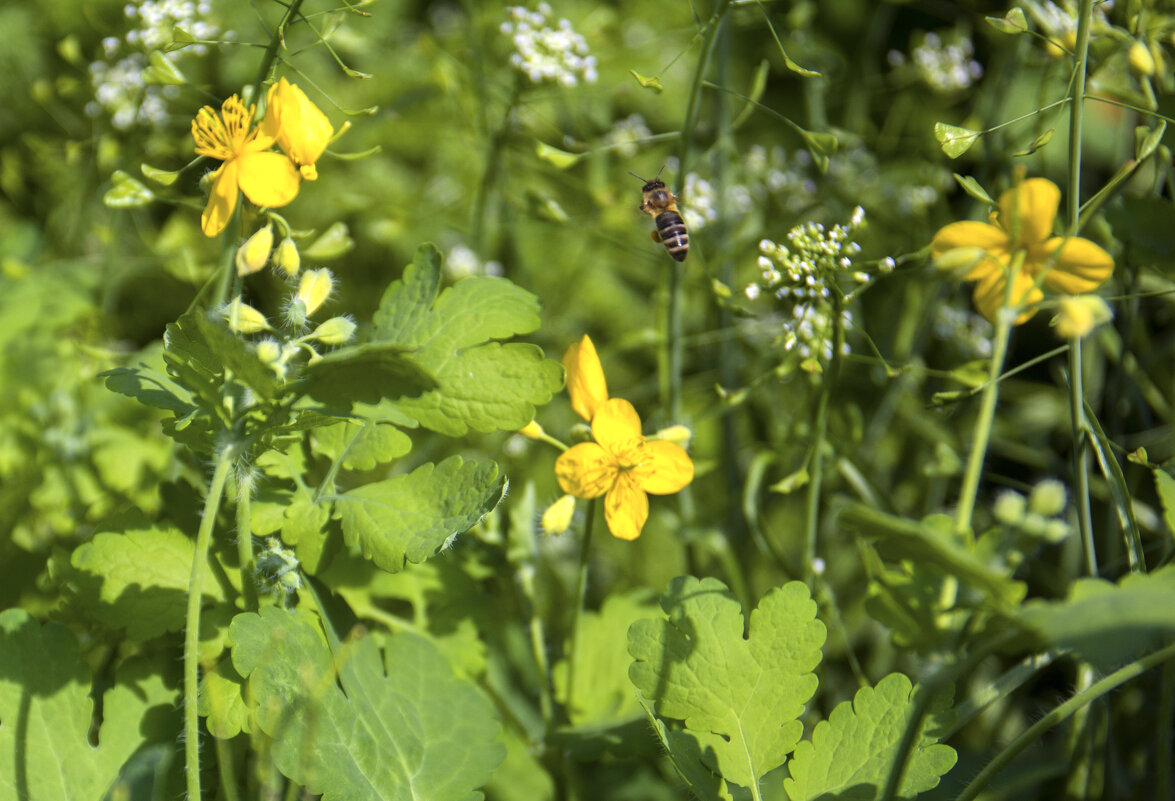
[(649, 186)]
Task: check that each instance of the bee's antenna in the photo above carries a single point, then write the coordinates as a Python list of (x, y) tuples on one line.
[(659, 172), (634, 175)]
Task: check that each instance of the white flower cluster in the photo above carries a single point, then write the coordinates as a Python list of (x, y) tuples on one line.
[(463, 262), (117, 78), (945, 66), (806, 272), (626, 135), (969, 332), (559, 55)]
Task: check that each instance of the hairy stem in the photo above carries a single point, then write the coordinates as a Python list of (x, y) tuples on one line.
[(577, 610), (812, 510), (192, 627)]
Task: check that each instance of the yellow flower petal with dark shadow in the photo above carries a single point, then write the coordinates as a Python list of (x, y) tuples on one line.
[(665, 468), (586, 470), (300, 127), (585, 378), (1081, 266), (626, 508), (991, 289)]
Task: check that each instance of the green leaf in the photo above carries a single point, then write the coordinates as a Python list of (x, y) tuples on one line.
[(221, 702), (148, 387), (955, 140), (602, 693), (553, 155), (366, 373), (1037, 143), (1165, 487), (137, 579), (1147, 140), (231, 352), (162, 72), (1123, 501), (928, 543), (334, 242), (741, 698), (974, 189), (179, 39), (409, 518), (391, 724), (362, 445), (126, 192), (653, 84), (688, 762), (1013, 23), (850, 754), (46, 709), (1105, 623), (484, 386), (161, 177)]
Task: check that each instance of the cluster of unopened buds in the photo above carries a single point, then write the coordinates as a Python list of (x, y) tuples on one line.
[(310, 290), (542, 53)]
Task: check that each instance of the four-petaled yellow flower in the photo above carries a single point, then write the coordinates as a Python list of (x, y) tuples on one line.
[(1024, 223), (299, 126), (621, 465), (267, 179)]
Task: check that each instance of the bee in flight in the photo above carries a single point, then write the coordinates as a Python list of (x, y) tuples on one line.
[(661, 204)]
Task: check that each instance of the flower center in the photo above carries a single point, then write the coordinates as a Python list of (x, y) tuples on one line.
[(223, 136)]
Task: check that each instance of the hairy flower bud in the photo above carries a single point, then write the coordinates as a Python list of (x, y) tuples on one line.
[(244, 319), (678, 435), (1078, 315), (334, 331), (314, 288), (557, 517), (254, 254), (1140, 59), (287, 259), (532, 430)]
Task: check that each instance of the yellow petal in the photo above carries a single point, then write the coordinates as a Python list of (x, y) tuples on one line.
[(617, 426), (991, 290), (626, 508), (1080, 267), (1078, 315), (302, 130), (664, 468), (586, 470), (557, 518), (268, 179), (970, 234), (585, 378), (1030, 210), (222, 200)]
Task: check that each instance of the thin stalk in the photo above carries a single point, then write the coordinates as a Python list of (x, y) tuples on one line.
[(192, 626), (577, 611), (228, 248), (538, 644), (982, 435), (1059, 714), (489, 176), (812, 512), (1073, 206), (277, 42), (245, 542), (224, 763)]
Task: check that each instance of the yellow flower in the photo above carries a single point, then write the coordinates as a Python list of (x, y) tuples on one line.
[(557, 517), (267, 179), (1078, 316), (1024, 223), (622, 466), (299, 126), (585, 378)]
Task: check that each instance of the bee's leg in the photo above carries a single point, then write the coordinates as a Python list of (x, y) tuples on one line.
[(655, 235)]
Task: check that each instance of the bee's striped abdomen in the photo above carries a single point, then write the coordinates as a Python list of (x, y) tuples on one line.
[(671, 229)]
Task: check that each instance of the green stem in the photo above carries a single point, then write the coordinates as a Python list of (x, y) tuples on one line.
[(224, 762), (1058, 715), (1073, 207), (815, 485), (577, 611), (673, 339), (277, 42), (245, 541), (538, 644), (489, 175), (228, 249), (192, 627), (1003, 330)]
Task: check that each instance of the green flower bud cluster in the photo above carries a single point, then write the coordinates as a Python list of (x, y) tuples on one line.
[(1038, 515)]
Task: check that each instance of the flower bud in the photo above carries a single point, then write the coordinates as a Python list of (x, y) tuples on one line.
[(532, 430), (254, 254), (244, 319), (334, 331), (314, 288), (960, 261), (269, 351), (1009, 508), (1078, 315), (1140, 60), (287, 259), (557, 518), (1047, 498), (678, 435)]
